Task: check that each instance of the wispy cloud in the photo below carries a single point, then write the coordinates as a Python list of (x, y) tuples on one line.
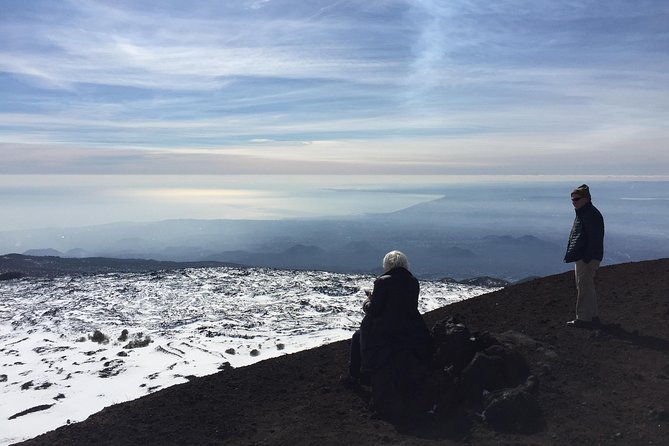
[(419, 85)]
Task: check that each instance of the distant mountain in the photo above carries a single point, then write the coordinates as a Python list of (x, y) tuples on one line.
[(507, 257), (17, 265), (440, 240), (44, 252), (77, 253)]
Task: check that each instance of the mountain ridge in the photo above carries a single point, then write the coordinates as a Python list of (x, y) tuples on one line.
[(16, 266), (603, 386), (440, 241)]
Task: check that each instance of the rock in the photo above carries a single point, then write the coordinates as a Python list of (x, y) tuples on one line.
[(225, 366), (31, 410), (139, 342), (484, 372), (112, 368), (515, 410), (11, 275), (124, 336), (516, 369), (453, 344), (99, 337)]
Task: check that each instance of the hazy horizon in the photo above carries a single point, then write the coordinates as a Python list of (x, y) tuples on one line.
[(34, 202)]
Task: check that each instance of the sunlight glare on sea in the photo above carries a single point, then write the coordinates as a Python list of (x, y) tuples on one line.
[(37, 201)]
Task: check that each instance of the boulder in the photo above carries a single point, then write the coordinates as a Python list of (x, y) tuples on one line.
[(454, 346), (515, 409), (487, 372)]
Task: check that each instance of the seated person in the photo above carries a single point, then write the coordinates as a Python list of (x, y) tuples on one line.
[(392, 329)]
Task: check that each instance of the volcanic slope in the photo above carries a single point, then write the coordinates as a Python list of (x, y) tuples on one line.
[(604, 386)]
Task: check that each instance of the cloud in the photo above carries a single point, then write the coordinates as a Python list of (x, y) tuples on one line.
[(107, 45), (423, 85)]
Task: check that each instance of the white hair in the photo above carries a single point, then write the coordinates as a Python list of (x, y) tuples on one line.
[(395, 259)]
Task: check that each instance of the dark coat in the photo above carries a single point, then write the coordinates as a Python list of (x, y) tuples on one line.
[(392, 322), (586, 240)]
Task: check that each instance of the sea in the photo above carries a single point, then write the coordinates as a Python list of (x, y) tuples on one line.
[(38, 201)]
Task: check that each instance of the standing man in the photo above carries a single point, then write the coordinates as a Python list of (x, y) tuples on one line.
[(586, 248)]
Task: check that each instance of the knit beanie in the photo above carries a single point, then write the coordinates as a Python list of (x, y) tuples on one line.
[(582, 191)]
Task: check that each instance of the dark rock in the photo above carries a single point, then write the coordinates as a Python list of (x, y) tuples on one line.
[(111, 368), (515, 410), (99, 337), (516, 369), (139, 342), (3, 378), (453, 344), (10, 275), (31, 410), (476, 367), (124, 336), (485, 372), (225, 366)]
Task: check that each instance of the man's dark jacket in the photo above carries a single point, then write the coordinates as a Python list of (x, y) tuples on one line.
[(392, 322), (586, 240)]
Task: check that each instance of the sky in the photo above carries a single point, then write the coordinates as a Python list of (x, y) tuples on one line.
[(210, 87), (124, 110)]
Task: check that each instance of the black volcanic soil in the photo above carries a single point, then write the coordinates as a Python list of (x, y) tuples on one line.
[(605, 386)]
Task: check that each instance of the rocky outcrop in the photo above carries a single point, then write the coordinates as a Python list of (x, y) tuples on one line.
[(485, 373)]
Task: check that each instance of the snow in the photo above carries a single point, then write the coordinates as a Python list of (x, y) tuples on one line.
[(196, 322)]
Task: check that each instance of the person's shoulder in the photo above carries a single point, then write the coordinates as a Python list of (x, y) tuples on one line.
[(592, 210)]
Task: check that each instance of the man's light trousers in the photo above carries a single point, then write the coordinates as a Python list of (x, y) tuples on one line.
[(586, 301)]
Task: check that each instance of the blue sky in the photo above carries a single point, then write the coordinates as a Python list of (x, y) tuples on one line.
[(334, 87)]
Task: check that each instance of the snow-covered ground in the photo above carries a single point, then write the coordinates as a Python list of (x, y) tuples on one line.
[(192, 322)]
